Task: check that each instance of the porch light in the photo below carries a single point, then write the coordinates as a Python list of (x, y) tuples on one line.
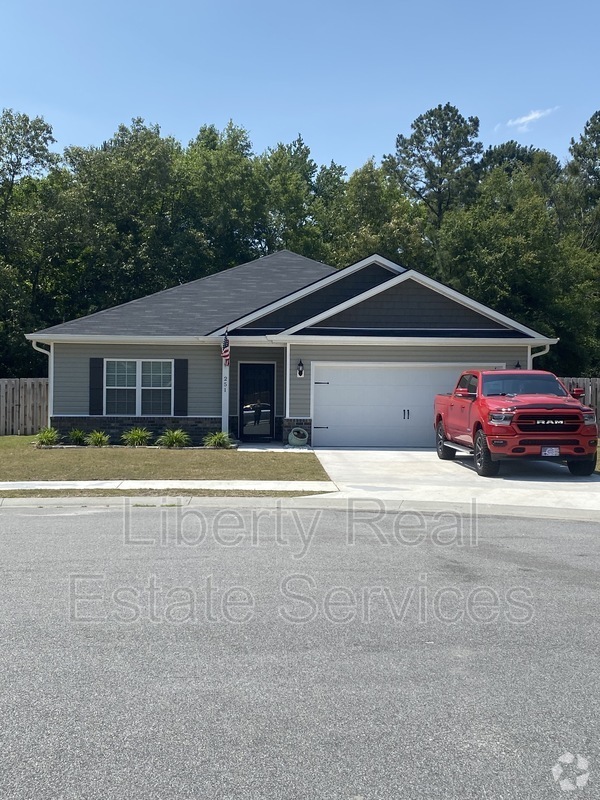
[(300, 369)]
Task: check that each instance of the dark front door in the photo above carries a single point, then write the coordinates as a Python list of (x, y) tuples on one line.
[(257, 401)]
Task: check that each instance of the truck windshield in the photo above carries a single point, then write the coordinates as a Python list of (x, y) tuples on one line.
[(514, 383)]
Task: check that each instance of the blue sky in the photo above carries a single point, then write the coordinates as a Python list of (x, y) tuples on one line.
[(348, 76)]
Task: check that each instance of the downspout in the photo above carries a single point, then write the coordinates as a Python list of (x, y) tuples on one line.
[(542, 352), (50, 354)]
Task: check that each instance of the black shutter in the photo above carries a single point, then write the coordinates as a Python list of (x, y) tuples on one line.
[(180, 388), (96, 387)]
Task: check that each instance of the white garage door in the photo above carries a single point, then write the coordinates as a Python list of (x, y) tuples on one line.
[(358, 405)]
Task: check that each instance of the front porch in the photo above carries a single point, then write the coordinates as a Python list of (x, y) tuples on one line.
[(255, 393)]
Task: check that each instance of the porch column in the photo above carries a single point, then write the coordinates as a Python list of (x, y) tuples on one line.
[(225, 395)]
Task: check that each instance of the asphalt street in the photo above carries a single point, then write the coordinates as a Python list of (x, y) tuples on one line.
[(296, 653)]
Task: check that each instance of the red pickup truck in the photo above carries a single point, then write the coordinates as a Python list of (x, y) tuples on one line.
[(500, 415)]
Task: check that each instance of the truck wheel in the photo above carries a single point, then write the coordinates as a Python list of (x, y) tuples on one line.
[(445, 453), (582, 467), (484, 466)]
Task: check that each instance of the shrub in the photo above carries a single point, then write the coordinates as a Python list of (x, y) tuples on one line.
[(217, 439), (47, 437), (76, 436), (136, 437), (174, 438), (97, 439)]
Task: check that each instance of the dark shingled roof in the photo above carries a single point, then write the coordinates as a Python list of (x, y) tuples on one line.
[(200, 307)]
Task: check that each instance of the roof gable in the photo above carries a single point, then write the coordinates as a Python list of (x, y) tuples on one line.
[(375, 262), (324, 296), (410, 304)]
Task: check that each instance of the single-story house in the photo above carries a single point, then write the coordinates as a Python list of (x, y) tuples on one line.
[(354, 356)]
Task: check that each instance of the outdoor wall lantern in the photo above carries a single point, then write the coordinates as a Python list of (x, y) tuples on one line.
[(300, 369)]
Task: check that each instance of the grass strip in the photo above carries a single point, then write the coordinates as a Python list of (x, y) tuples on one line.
[(21, 461)]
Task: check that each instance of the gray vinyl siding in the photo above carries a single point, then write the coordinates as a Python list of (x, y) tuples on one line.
[(255, 355), (409, 305), (71, 374), (465, 355), (315, 303)]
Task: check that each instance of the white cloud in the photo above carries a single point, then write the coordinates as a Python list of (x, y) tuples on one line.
[(522, 123)]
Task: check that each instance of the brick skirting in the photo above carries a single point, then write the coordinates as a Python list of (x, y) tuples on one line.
[(197, 427)]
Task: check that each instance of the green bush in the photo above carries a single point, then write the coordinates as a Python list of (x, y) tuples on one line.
[(97, 439), (47, 437), (76, 436), (137, 437), (174, 438), (218, 439)]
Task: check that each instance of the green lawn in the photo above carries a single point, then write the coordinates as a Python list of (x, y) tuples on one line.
[(21, 461)]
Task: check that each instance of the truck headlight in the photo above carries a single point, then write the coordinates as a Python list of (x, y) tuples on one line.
[(500, 418), (589, 418)]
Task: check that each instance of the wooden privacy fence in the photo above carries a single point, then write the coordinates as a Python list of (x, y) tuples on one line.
[(592, 389), (23, 405)]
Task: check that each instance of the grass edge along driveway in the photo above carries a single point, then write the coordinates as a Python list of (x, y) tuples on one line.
[(21, 461)]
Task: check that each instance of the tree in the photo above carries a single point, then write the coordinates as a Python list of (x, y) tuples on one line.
[(24, 156), (288, 173), (436, 163), (374, 216), (582, 185), (221, 198), (586, 156), (506, 252), (543, 167), (122, 203), (24, 151)]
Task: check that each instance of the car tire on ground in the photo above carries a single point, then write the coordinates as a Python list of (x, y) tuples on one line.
[(582, 467), (484, 466), (444, 452)]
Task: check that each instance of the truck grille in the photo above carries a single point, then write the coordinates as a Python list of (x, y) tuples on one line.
[(548, 442), (545, 422)]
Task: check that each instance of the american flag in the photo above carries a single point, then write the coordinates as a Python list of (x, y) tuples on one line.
[(225, 349)]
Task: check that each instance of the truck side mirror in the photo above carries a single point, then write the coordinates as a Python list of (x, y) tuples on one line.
[(577, 392), (462, 393)]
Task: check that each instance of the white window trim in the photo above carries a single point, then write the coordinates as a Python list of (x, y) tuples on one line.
[(139, 387)]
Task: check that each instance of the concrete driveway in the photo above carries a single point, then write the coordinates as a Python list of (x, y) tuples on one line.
[(419, 478)]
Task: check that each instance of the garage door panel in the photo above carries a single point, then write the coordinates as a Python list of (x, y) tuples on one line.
[(377, 436), (337, 397), (371, 417), (363, 406), (381, 377)]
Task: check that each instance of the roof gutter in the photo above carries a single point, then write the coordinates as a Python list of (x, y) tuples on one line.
[(280, 340), (69, 338)]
